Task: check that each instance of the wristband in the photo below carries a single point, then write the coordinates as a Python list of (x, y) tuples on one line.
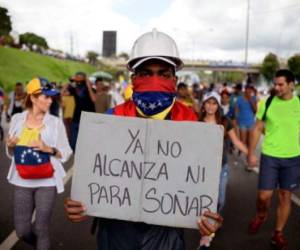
[(54, 151)]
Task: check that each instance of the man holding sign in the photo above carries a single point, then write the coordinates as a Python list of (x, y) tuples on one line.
[(154, 61)]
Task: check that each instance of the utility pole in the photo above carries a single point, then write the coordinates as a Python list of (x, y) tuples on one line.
[(247, 36), (71, 44)]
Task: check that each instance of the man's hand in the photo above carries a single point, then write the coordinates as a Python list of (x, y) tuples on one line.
[(207, 228), (74, 210)]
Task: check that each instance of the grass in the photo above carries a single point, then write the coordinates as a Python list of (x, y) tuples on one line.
[(17, 65)]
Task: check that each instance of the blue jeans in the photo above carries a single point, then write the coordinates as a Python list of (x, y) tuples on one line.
[(74, 134), (222, 186)]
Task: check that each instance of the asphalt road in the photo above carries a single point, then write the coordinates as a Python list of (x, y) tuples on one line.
[(239, 209)]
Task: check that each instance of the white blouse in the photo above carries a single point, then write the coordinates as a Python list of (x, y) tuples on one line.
[(54, 135)]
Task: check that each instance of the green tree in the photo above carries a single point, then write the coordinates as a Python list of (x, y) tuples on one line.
[(269, 67), (294, 65), (30, 39), (5, 22), (92, 57), (123, 55), (7, 40)]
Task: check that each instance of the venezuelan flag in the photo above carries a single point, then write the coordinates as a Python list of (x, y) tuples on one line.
[(32, 164)]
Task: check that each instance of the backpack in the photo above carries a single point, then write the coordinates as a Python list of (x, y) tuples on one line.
[(268, 103)]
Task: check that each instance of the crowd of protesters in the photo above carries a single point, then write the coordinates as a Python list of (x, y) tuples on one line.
[(277, 118), (44, 122), (80, 94), (232, 106)]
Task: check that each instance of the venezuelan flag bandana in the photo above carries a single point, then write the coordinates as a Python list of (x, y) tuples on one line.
[(153, 84), (154, 96)]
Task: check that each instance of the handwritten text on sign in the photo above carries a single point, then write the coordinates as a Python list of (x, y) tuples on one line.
[(158, 172)]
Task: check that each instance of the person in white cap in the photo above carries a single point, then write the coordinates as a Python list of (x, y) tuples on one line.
[(154, 61), (211, 112)]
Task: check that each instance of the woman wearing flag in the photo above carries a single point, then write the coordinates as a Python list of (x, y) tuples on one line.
[(37, 144)]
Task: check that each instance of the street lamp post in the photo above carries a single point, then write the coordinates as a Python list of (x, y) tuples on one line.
[(247, 36)]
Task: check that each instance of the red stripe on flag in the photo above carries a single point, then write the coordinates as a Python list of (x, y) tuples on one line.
[(40, 171), (153, 83)]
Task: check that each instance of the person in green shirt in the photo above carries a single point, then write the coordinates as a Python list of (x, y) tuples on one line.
[(279, 120)]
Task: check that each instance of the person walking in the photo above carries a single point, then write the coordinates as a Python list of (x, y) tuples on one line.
[(84, 97), (185, 96), (37, 144), (103, 98), (225, 102), (245, 109), (278, 118), (211, 112), (154, 61), (15, 101), (68, 107)]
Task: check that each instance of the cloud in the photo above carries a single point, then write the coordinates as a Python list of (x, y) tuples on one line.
[(217, 29), (206, 29), (84, 20)]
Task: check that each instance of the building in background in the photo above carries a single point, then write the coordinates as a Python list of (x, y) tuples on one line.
[(109, 43)]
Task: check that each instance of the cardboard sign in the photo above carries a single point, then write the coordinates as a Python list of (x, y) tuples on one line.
[(158, 172)]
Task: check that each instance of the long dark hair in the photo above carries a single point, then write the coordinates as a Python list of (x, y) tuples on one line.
[(219, 116), (28, 102)]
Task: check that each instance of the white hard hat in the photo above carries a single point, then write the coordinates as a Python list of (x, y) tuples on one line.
[(154, 45)]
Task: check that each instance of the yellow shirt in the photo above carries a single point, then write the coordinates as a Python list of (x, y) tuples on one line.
[(69, 106), (28, 135)]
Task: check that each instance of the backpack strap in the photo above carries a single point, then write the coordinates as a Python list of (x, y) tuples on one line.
[(268, 103)]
